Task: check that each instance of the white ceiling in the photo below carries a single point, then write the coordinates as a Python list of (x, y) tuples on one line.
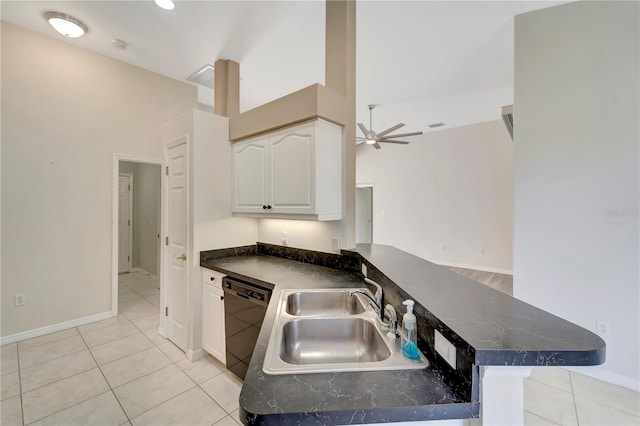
[(421, 61)]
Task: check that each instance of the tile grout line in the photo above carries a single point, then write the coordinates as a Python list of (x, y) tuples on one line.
[(108, 384), (20, 383), (600, 402), (573, 398), (80, 402)]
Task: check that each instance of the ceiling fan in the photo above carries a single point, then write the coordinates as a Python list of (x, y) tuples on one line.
[(375, 139)]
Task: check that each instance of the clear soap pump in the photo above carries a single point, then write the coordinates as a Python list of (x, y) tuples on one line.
[(410, 332)]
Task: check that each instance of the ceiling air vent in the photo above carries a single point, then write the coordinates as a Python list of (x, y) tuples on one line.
[(507, 117), (204, 76)]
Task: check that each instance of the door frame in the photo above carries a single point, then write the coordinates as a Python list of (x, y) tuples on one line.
[(114, 220), (130, 228), (184, 138), (368, 185)]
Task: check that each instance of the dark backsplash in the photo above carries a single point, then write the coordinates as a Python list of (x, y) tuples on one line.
[(345, 262)]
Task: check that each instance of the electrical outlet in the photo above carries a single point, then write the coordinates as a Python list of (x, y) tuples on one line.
[(20, 299), (602, 328), (363, 268), (335, 245), (445, 348)]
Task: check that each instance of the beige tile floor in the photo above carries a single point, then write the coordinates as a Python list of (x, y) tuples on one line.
[(118, 371), (121, 372)]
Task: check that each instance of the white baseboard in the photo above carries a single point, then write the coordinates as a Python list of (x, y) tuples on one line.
[(142, 271), (608, 376), (476, 267), (54, 327), (195, 355)]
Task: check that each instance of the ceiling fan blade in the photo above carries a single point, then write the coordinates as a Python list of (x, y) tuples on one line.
[(390, 129), (392, 141), (364, 129), (404, 135), (358, 143), (377, 145)]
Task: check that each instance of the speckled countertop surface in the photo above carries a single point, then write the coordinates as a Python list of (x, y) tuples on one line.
[(502, 330), (331, 398), (498, 329)]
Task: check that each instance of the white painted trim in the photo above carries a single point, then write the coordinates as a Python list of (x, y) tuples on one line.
[(476, 267), (608, 376), (130, 228), (114, 220), (196, 355), (161, 330), (142, 271), (23, 335)]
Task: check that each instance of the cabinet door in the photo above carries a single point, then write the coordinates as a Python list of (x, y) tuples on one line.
[(250, 171), (213, 321), (293, 170)]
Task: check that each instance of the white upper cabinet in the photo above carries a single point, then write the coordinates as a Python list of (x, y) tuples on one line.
[(293, 173)]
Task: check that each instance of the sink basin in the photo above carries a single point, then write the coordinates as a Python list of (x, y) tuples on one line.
[(325, 330), (323, 303), (330, 341)]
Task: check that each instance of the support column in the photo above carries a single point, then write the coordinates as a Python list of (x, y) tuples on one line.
[(226, 88), (502, 395), (340, 76)]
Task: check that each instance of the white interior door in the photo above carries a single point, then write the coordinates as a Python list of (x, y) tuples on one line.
[(175, 292), (124, 223), (364, 222)]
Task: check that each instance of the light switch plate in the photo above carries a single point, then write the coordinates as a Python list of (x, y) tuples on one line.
[(446, 349)]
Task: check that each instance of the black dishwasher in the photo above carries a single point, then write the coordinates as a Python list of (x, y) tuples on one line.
[(245, 306)]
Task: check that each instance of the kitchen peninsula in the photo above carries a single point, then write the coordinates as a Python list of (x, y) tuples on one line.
[(486, 327)]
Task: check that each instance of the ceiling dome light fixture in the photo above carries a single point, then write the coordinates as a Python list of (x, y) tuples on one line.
[(66, 25), (165, 4)]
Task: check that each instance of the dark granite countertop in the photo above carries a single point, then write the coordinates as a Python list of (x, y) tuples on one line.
[(330, 398), (502, 330), (488, 327)]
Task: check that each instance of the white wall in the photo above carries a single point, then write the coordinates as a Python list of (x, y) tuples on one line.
[(446, 196), (301, 233), (146, 214), (576, 115), (65, 112)]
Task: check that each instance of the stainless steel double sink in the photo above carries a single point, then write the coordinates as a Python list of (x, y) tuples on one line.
[(331, 330)]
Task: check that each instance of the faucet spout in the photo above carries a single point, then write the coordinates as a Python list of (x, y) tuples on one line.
[(364, 293), (378, 294)]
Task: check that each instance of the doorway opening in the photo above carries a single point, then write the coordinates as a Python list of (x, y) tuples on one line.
[(136, 239), (364, 214)]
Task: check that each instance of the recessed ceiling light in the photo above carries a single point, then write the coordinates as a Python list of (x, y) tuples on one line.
[(66, 25), (165, 4)]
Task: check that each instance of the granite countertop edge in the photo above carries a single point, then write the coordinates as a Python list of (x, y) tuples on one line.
[(404, 396)]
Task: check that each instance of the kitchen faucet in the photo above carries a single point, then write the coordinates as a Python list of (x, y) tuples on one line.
[(377, 302)]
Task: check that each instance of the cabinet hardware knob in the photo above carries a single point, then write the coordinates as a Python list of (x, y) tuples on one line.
[(269, 207), (264, 207), (213, 278), (221, 297)]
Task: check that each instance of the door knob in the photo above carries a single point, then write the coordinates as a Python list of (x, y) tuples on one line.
[(182, 257)]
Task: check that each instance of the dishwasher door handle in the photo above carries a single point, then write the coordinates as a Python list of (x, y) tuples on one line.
[(244, 296)]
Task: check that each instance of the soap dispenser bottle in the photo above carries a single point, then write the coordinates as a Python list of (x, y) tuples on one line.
[(410, 332)]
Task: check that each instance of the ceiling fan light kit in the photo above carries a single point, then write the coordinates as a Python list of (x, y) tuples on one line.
[(373, 138)]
